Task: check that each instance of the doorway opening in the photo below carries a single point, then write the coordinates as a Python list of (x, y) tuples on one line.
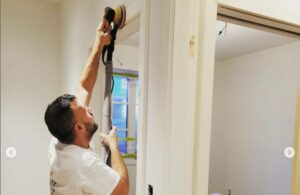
[(254, 105)]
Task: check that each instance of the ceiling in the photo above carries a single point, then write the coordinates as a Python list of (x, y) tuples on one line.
[(238, 40), (235, 40)]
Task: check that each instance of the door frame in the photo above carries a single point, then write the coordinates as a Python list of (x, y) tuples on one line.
[(296, 161), (265, 23)]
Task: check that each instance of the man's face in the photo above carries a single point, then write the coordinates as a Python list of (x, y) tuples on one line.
[(83, 115)]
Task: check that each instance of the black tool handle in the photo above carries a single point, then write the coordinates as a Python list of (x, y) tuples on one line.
[(109, 49), (109, 15)]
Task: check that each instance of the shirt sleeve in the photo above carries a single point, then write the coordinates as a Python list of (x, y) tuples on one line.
[(100, 179)]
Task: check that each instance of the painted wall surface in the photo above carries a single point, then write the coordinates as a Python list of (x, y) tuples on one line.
[(283, 10), (30, 80), (253, 121), (126, 57), (79, 21)]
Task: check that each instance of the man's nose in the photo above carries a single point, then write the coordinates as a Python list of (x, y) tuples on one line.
[(90, 111)]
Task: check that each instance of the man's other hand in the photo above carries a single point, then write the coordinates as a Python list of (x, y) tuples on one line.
[(110, 140)]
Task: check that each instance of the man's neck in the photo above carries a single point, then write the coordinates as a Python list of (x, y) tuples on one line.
[(81, 143)]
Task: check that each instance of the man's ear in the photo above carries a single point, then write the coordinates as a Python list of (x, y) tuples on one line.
[(79, 128)]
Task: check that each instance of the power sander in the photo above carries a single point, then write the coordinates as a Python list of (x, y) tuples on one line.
[(117, 19)]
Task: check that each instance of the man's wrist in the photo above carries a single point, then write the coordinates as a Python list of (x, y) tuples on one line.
[(98, 45), (113, 146)]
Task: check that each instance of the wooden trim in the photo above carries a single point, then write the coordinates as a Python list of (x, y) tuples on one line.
[(132, 23), (204, 95), (296, 161), (168, 119), (254, 20), (141, 173), (223, 6), (132, 27), (256, 26)]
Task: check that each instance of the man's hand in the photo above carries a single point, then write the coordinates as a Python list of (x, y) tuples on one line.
[(103, 36), (117, 162), (110, 140)]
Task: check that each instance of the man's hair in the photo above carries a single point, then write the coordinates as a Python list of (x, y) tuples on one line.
[(59, 118)]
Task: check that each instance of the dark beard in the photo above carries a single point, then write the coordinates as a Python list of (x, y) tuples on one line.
[(91, 129)]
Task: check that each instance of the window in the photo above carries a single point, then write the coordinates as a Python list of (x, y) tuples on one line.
[(124, 112)]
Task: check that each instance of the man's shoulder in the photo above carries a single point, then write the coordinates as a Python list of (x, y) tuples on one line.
[(51, 150), (72, 155), (90, 158)]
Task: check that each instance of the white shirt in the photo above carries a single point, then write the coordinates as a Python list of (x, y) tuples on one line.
[(79, 171)]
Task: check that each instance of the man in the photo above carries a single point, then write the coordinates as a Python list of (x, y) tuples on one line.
[(77, 168)]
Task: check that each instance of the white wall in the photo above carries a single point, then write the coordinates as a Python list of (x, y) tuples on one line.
[(129, 57), (283, 10), (253, 120), (30, 80), (79, 21)]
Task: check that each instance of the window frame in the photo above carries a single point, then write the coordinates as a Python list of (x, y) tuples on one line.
[(131, 138)]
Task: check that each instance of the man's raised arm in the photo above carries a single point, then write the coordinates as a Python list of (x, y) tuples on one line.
[(90, 71)]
